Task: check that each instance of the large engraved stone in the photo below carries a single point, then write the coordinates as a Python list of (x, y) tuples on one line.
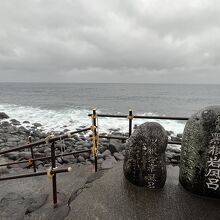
[(144, 163), (200, 153)]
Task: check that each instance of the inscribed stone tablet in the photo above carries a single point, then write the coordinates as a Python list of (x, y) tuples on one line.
[(200, 153), (144, 163)]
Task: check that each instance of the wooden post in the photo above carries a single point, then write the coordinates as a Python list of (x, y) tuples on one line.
[(95, 136), (32, 155), (54, 181), (130, 118)]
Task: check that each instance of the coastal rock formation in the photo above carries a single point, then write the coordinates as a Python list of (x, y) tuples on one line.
[(200, 153), (144, 163)]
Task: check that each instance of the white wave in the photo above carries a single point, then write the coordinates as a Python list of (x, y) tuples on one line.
[(55, 120)]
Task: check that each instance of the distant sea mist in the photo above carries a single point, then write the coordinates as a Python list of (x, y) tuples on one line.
[(67, 105)]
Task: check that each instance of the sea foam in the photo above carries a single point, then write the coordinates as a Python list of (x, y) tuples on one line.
[(58, 120)]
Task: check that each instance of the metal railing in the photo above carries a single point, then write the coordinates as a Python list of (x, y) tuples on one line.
[(50, 140), (130, 118)]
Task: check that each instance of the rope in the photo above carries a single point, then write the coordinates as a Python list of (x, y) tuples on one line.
[(95, 138), (30, 161), (68, 134), (50, 173), (130, 117), (47, 139)]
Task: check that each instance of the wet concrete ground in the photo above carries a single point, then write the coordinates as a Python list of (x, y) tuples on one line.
[(104, 196), (112, 197)]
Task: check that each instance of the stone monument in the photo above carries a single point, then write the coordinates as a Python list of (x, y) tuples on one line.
[(144, 163), (200, 153)]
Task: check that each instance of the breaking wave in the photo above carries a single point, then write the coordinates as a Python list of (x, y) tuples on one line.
[(58, 120)]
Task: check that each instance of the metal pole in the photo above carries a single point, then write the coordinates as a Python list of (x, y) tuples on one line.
[(130, 117), (94, 116), (54, 181), (46, 158), (32, 155), (143, 117), (63, 170)]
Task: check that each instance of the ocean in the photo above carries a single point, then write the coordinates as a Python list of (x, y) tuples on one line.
[(58, 106)]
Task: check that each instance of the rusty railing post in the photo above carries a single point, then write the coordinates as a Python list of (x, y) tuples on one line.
[(32, 154), (130, 118), (54, 180), (95, 138)]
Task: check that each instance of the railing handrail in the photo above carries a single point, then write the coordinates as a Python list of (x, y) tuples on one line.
[(142, 117), (45, 158), (44, 141)]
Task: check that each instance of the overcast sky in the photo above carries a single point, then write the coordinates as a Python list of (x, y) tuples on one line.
[(151, 41)]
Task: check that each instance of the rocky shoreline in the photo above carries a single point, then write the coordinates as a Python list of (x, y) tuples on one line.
[(13, 134)]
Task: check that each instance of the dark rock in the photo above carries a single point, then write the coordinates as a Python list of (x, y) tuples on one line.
[(3, 170), (22, 130), (108, 163), (37, 124), (174, 161), (99, 161), (116, 146), (3, 116), (175, 138), (200, 153), (1, 141), (5, 124), (144, 163), (15, 122), (26, 122), (118, 156), (25, 155), (13, 139), (69, 159), (179, 136), (169, 133), (87, 145), (106, 153), (123, 152), (13, 155), (60, 160), (102, 148), (173, 148), (81, 159)]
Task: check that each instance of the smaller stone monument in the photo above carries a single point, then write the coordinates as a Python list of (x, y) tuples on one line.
[(144, 163), (200, 153)]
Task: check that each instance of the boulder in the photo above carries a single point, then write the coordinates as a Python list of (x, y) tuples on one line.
[(116, 146), (3, 115), (37, 124), (118, 156), (200, 153), (26, 122), (144, 163), (106, 153), (15, 122)]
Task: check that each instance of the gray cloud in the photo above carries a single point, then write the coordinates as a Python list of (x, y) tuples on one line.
[(110, 41)]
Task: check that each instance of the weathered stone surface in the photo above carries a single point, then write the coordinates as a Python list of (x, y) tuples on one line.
[(200, 153), (144, 163)]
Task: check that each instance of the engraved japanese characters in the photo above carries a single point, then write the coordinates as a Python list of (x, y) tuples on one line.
[(144, 163), (200, 153)]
